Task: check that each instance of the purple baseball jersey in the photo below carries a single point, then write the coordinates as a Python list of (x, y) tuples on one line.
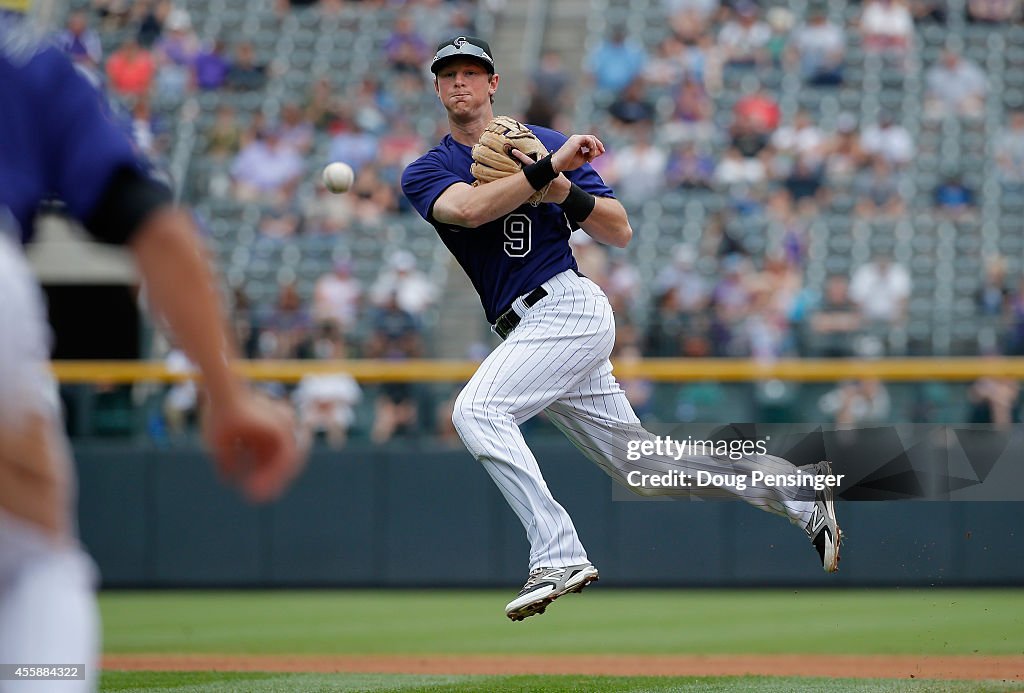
[(509, 256)]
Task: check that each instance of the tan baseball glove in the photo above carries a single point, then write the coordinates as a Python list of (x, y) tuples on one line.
[(492, 155)]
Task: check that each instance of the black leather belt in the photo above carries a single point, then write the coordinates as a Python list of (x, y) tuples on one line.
[(509, 320)]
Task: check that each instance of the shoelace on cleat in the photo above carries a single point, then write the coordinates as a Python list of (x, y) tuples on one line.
[(537, 576)]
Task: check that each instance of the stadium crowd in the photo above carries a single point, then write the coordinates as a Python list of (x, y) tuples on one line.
[(659, 113)]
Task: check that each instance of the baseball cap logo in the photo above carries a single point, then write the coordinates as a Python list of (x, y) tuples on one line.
[(461, 46)]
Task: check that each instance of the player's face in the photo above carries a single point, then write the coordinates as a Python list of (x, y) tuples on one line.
[(464, 86)]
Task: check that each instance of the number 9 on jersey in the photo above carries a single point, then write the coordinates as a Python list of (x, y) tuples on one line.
[(517, 235)]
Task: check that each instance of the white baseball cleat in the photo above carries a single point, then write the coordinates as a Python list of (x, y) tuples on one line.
[(823, 529), (545, 585)]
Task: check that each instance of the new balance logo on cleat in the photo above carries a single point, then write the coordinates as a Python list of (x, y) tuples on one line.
[(817, 520)]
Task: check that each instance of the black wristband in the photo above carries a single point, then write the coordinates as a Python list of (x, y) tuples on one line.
[(578, 204), (540, 173)]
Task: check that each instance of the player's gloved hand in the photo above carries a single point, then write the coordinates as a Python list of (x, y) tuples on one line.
[(253, 443), (493, 157)]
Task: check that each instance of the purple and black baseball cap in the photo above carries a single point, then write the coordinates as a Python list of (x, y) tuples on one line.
[(463, 47)]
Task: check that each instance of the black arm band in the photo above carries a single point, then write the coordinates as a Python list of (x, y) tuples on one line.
[(578, 204), (130, 197), (541, 173)]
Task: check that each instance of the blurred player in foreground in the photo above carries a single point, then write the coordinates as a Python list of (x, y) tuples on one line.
[(57, 140), (557, 327)]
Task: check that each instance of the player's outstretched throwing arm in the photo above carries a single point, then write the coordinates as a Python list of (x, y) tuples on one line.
[(94, 168), (250, 437), (58, 138)]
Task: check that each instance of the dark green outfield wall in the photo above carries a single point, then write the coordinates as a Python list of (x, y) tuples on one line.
[(405, 517)]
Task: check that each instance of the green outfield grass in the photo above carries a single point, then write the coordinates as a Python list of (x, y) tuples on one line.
[(597, 621), (137, 682)]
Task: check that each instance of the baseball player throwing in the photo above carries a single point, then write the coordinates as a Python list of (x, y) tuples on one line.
[(510, 234)]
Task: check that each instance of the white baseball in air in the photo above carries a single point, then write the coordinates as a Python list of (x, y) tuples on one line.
[(338, 177)]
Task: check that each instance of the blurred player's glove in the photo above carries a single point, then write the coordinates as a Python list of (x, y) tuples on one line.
[(492, 156)]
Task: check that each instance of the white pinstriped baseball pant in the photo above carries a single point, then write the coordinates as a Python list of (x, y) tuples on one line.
[(47, 607), (557, 360)]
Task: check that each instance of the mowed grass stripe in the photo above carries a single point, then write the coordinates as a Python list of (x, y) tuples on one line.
[(228, 682), (209, 682), (620, 621)]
